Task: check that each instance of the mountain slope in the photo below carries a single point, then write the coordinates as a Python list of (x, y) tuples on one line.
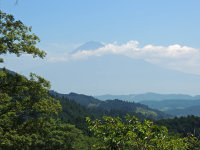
[(147, 108), (182, 125), (81, 99), (132, 107), (191, 110), (110, 105)]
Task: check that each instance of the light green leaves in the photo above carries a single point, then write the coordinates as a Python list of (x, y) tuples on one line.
[(25, 110), (133, 134), (16, 38)]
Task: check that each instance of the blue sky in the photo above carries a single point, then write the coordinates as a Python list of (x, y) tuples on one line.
[(149, 22), (167, 33)]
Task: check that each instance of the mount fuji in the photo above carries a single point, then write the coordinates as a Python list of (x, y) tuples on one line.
[(115, 74)]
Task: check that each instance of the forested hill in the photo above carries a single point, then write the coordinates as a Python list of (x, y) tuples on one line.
[(182, 125), (11, 72), (82, 99), (76, 114), (176, 107), (191, 110), (119, 106), (132, 107)]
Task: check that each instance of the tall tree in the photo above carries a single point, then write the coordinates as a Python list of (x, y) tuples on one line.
[(27, 111), (17, 38)]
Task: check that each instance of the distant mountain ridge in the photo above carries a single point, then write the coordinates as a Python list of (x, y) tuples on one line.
[(173, 104), (148, 97), (129, 107), (166, 105), (81, 99), (114, 73), (190, 110)]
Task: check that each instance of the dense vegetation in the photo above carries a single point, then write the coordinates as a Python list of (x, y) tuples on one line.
[(133, 134), (27, 112), (182, 125), (120, 107), (30, 117), (75, 113)]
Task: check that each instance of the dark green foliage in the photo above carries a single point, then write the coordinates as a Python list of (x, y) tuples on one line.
[(119, 107), (26, 112), (182, 125), (133, 134), (81, 99), (132, 107), (28, 115), (74, 113)]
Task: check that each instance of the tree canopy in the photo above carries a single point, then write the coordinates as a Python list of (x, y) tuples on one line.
[(130, 133), (27, 112), (17, 38)]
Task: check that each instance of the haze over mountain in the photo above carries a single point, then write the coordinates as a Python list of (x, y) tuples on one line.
[(149, 97), (190, 110), (90, 72), (91, 45)]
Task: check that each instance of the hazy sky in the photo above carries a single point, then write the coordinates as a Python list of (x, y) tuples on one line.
[(162, 33)]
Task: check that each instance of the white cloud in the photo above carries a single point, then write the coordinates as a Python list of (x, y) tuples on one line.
[(177, 57), (131, 49)]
